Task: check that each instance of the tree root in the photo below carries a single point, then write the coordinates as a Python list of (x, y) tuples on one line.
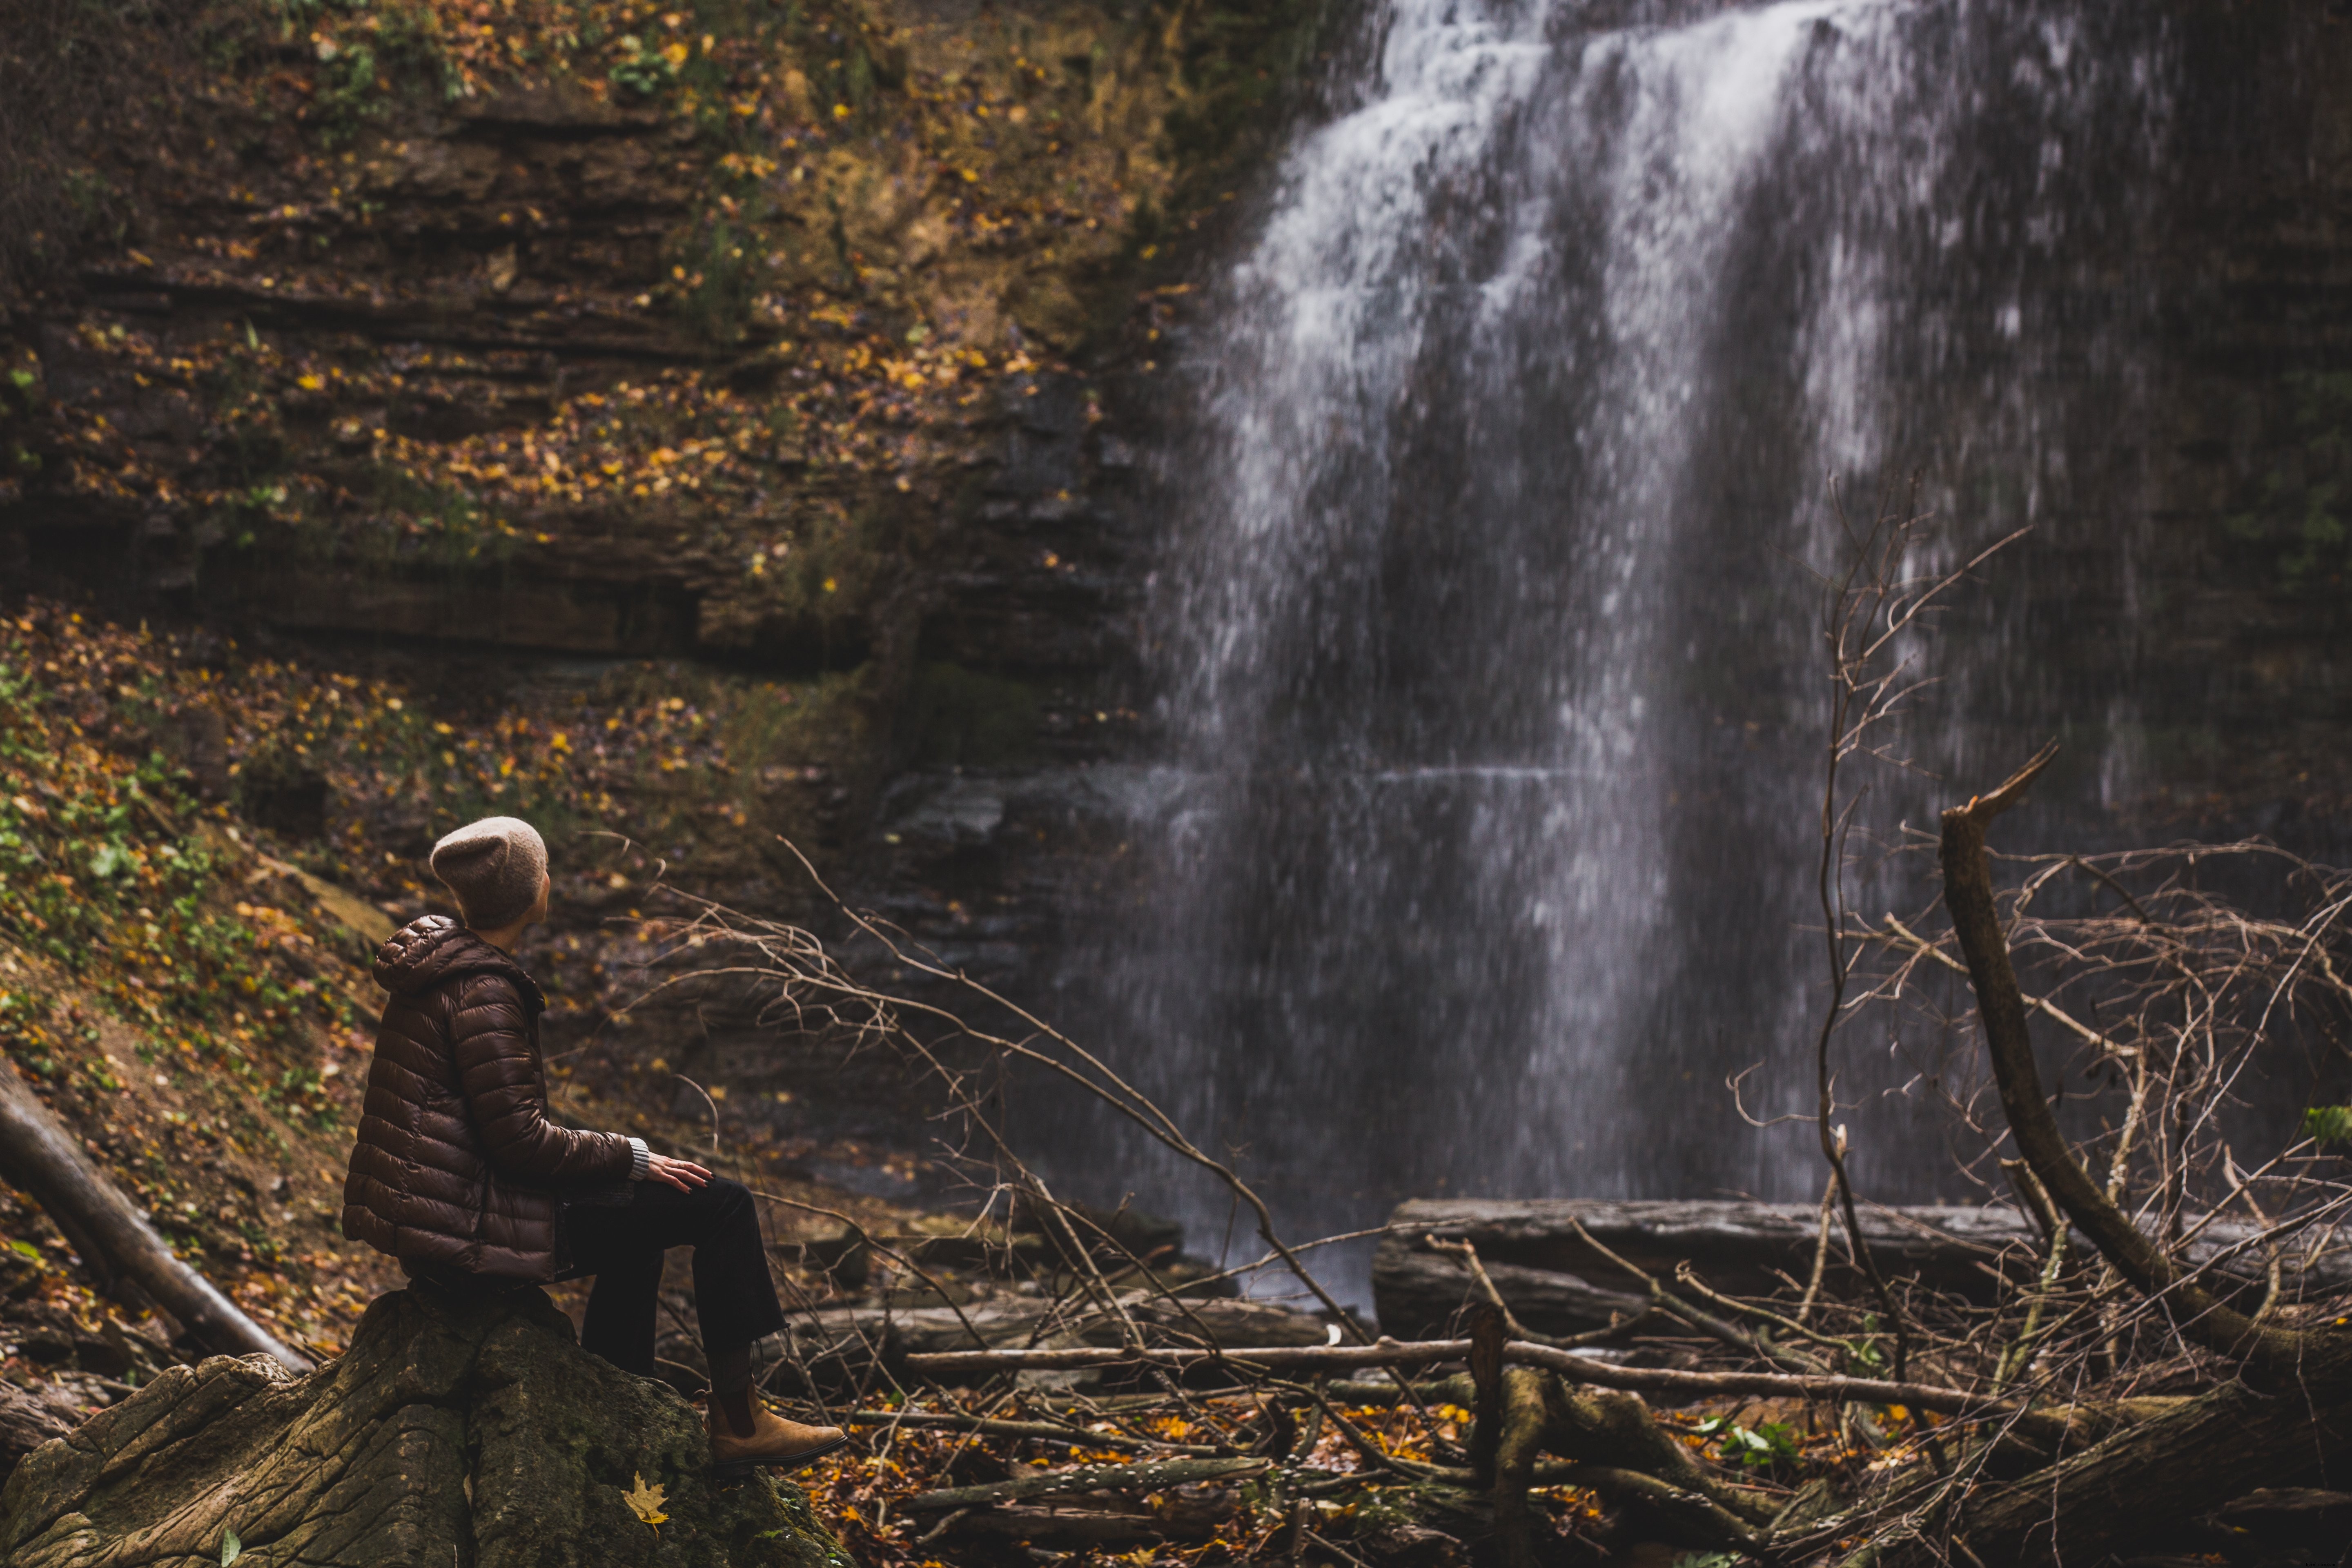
[(1615, 1446), (1525, 1422)]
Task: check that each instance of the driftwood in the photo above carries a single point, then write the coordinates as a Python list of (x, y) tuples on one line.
[(473, 1432), (1078, 1528), (1035, 1431), (1675, 1385), (2311, 1524), (840, 1347), (39, 1155), (1090, 1478), (1554, 1283)]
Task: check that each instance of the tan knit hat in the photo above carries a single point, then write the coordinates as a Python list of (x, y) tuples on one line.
[(494, 867)]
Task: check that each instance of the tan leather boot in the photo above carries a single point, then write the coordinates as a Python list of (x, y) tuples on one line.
[(774, 1441)]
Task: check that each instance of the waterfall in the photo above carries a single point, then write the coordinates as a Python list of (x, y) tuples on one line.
[(1482, 849)]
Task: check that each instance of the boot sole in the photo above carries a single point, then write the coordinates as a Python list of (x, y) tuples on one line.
[(736, 1470)]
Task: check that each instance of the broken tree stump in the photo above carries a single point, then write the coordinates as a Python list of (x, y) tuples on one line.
[(452, 1431)]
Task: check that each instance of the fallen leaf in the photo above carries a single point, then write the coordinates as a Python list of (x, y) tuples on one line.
[(646, 1501), (231, 1548)]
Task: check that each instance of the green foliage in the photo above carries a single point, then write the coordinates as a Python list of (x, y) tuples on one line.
[(1237, 60), (348, 94), (434, 522), (962, 717), (2325, 1125), (1751, 1447), (646, 72), (68, 68), (406, 519), (2305, 503), (99, 876), (716, 279), (370, 52), (20, 399), (769, 727)]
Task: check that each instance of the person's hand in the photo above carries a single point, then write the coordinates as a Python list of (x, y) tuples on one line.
[(683, 1174)]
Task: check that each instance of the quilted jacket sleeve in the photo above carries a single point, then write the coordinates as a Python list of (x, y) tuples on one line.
[(506, 1091)]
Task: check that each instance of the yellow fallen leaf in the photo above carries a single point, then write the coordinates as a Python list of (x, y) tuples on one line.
[(646, 1502)]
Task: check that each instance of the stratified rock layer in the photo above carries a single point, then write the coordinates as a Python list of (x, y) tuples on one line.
[(451, 1433)]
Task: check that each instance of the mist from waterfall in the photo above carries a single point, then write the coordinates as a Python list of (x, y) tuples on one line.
[(1482, 850)]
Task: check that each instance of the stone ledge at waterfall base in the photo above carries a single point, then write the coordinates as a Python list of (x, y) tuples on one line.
[(476, 1432)]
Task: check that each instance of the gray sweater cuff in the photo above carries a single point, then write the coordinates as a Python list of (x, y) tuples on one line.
[(641, 1159)]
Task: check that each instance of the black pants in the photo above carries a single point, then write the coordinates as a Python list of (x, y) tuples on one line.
[(623, 1246)]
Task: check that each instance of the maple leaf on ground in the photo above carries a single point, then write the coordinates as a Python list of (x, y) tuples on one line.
[(646, 1502)]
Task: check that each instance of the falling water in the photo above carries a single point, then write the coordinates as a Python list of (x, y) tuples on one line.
[(1483, 847)]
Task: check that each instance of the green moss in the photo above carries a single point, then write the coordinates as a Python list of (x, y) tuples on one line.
[(395, 56), (717, 275), (956, 717), (100, 875), (769, 725), (2299, 519), (1237, 63)]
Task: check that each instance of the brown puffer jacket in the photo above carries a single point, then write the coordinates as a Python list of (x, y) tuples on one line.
[(458, 1164)]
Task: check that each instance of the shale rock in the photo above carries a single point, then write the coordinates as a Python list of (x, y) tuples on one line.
[(453, 1431)]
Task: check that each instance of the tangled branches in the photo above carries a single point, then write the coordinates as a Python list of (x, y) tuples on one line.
[(2080, 1355), (2180, 1006)]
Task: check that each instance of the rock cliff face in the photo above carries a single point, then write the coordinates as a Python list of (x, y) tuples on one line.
[(2240, 628), (750, 344)]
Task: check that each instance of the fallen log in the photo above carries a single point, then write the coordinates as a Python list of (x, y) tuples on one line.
[(107, 1230), (1688, 1385), (835, 1347), (1554, 1283), (1417, 1290), (452, 1431), (1090, 1478), (2134, 1488), (2305, 1522), (1081, 1527), (1035, 1431)]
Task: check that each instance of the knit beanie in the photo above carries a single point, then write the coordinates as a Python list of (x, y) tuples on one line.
[(494, 867)]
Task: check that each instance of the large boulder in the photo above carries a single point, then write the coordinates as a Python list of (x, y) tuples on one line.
[(453, 1431)]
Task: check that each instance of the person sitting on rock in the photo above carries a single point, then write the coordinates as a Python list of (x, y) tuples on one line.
[(461, 1174)]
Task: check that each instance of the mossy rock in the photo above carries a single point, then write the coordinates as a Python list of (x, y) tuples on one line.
[(475, 1433)]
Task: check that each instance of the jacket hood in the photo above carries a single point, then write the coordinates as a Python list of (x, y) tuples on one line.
[(434, 948)]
